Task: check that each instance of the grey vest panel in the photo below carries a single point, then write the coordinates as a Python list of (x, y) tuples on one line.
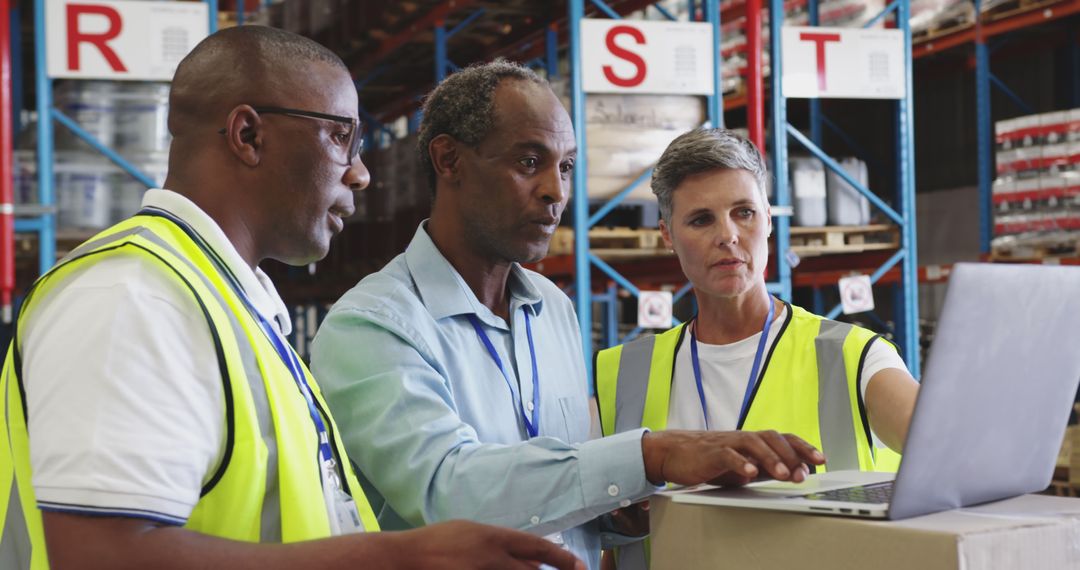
[(632, 383), (15, 545), (835, 421)]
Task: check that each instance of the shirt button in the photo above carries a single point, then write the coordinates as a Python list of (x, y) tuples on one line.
[(613, 490), (624, 503), (535, 520), (529, 406)]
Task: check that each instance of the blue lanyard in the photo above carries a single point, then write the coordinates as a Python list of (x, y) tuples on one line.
[(287, 355), (531, 425), (750, 382)]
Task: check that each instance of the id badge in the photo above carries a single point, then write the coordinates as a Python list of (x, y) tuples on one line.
[(340, 507), (348, 518)]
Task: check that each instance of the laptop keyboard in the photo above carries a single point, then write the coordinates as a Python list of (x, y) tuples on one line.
[(875, 493)]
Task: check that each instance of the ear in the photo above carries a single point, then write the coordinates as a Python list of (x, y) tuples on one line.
[(768, 218), (244, 135), (445, 159), (665, 234)]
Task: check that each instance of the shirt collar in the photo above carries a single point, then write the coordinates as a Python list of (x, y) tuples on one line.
[(256, 284), (444, 292)]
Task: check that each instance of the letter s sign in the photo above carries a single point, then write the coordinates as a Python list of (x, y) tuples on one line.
[(633, 58)]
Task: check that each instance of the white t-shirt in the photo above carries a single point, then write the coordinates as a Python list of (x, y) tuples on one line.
[(123, 386), (725, 369)]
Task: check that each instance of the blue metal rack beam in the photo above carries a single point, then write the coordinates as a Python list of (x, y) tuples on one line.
[(983, 135)]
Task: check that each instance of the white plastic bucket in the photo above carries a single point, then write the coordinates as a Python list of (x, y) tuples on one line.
[(85, 184), (91, 104), (142, 113), (25, 179)]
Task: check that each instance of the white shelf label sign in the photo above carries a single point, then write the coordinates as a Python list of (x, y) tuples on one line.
[(654, 309), (856, 294), (843, 63), (622, 56), (121, 39)]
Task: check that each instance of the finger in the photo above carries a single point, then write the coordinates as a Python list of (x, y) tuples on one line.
[(529, 548), (807, 452), (783, 449), (731, 479), (754, 445), (727, 460)]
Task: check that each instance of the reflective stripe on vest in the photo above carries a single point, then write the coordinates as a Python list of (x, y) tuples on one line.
[(255, 495)]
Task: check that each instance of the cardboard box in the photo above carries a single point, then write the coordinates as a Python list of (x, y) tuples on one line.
[(1028, 532)]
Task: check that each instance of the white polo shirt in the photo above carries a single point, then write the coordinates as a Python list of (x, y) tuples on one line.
[(122, 382)]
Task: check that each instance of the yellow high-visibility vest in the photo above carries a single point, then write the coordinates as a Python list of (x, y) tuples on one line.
[(809, 386), (267, 420)]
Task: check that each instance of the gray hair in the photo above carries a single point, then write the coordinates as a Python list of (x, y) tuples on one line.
[(463, 106), (702, 150)]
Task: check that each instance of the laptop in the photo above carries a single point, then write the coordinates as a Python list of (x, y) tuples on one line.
[(999, 384)]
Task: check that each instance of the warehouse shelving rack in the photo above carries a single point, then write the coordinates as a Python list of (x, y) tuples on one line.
[(986, 36), (906, 311), (584, 260)]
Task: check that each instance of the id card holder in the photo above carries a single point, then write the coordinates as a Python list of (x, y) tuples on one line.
[(340, 507), (347, 516)]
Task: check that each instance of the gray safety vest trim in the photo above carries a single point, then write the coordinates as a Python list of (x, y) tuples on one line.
[(270, 523), (834, 400), (631, 384), (15, 546)]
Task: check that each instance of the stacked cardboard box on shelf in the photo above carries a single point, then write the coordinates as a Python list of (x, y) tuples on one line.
[(1036, 194), (398, 184)]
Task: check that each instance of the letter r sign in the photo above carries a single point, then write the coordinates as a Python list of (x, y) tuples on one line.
[(121, 39), (77, 33)]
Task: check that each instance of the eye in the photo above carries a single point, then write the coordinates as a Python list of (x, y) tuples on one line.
[(342, 137), (566, 167), (529, 162), (745, 213), (700, 220)]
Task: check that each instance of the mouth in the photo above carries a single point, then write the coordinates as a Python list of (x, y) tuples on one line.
[(728, 263), (337, 218), (547, 224)]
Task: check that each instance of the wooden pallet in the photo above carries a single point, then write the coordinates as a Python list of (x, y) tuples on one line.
[(612, 243), (1014, 7), (1035, 251), (941, 29), (827, 240)]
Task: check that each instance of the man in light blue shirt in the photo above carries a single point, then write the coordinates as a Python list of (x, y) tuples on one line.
[(457, 377)]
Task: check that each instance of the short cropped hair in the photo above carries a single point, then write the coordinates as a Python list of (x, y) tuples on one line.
[(463, 106), (702, 150)]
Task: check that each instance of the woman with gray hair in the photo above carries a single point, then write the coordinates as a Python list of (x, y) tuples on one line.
[(748, 360)]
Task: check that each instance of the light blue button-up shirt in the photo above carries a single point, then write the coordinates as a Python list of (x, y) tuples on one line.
[(434, 428)]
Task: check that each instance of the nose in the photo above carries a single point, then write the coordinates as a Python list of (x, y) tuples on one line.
[(357, 176), (555, 188), (727, 233)]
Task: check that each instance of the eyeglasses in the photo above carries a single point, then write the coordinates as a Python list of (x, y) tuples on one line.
[(356, 139)]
